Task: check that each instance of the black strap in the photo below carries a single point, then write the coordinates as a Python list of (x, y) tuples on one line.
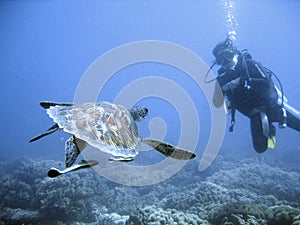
[(245, 66), (232, 120)]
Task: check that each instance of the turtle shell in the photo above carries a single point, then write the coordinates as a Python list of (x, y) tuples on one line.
[(106, 126)]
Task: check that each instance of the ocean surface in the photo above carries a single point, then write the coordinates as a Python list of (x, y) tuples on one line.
[(153, 54)]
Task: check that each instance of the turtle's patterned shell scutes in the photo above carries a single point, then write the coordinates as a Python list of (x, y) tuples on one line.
[(106, 126)]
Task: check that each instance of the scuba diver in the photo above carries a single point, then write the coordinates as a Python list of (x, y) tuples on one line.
[(247, 86)]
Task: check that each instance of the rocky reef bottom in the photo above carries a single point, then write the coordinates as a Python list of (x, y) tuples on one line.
[(231, 192)]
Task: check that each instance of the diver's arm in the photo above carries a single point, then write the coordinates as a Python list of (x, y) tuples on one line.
[(230, 86), (258, 83)]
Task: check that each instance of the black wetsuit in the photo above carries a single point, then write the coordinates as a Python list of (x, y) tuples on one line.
[(252, 93)]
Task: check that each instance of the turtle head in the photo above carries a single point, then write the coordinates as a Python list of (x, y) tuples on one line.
[(138, 113)]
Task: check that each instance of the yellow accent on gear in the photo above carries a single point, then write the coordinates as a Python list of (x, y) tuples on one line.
[(271, 142)]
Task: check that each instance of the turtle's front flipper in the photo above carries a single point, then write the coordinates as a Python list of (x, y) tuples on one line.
[(51, 130), (72, 149), (169, 150), (47, 105), (53, 172)]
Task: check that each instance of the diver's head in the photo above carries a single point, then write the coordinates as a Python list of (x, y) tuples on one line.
[(226, 54)]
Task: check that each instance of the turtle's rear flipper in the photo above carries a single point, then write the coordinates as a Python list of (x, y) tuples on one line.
[(51, 130), (169, 150), (72, 149), (54, 172)]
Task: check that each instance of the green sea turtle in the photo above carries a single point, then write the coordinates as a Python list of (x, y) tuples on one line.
[(108, 127)]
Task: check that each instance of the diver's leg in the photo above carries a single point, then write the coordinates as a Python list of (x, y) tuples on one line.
[(293, 117), (259, 140)]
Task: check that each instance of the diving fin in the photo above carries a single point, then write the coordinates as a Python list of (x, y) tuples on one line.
[(169, 150), (265, 124), (51, 130), (54, 172)]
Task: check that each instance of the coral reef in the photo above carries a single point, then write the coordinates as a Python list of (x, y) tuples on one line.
[(248, 192), (157, 216), (260, 178)]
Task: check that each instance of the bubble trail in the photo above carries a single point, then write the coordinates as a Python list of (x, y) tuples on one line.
[(230, 19)]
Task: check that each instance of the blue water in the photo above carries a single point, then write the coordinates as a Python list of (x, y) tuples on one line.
[(46, 47)]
